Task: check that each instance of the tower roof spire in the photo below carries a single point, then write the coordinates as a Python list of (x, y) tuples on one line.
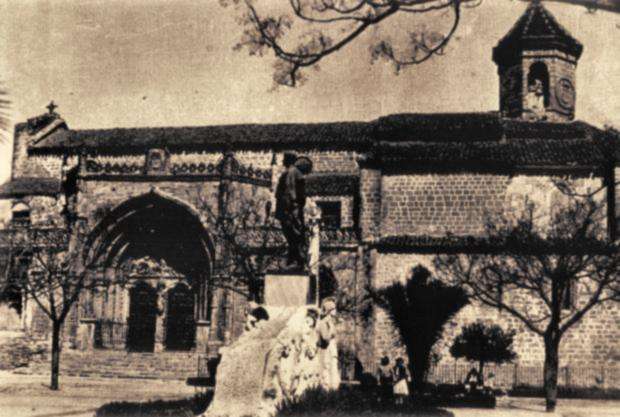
[(536, 29)]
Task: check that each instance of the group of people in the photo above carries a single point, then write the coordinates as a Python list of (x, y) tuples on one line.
[(474, 382), (393, 380), (306, 355)]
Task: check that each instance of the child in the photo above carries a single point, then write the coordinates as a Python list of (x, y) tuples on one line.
[(401, 381), (489, 384), (385, 378)]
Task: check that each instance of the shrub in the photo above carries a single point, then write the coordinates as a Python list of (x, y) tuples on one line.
[(590, 393), (483, 344), (351, 401), (187, 407)]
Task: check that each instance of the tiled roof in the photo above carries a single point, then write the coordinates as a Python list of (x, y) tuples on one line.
[(19, 187), (504, 154), (448, 138), (536, 29), (472, 127), (257, 136)]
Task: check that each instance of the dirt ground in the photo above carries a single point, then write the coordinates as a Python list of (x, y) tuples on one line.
[(29, 396)]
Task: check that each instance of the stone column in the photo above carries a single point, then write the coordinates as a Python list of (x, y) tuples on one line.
[(160, 321), (370, 202), (201, 316)]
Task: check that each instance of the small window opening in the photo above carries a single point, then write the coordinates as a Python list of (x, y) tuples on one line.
[(330, 214), (21, 214)]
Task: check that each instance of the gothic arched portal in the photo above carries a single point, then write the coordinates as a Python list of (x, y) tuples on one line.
[(169, 233)]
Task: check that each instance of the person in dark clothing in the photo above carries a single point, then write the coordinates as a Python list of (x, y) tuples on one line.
[(385, 379)]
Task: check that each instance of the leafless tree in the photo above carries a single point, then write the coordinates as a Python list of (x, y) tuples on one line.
[(548, 275), (248, 244), (5, 120), (301, 33), (44, 265)]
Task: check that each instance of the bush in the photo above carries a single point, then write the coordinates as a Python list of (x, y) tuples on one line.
[(589, 393), (187, 407), (483, 344), (455, 395), (352, 401), (19, 352)]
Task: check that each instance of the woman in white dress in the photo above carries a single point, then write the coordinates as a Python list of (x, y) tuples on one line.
[(401, 381), (328, 347)]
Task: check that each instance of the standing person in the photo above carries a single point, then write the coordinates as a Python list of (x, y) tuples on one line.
[(385, 379), (328, 347), (401, 381), (489, 384)]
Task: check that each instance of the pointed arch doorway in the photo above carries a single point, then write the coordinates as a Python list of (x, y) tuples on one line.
[(180, 323), (141, 323)]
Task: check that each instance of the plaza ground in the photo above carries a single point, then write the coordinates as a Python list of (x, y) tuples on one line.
[(28, 396)]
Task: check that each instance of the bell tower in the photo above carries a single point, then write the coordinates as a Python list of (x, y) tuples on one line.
[(537, 61)]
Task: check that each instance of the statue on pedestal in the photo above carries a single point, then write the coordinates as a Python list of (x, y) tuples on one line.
[(535, 100), (290, 202)]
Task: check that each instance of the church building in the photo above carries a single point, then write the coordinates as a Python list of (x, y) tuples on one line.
[(390, 194)]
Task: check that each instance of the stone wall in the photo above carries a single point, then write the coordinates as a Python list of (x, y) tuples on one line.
[(97, 198), (333, 161), (592, 342), (461, 204), (31, 166), (370, 203), (432, 204)]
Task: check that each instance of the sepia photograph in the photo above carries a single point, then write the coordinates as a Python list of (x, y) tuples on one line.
[(309, 208)]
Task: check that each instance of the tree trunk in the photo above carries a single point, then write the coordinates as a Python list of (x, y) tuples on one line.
[(481, 373), (552, 344), (55, 355)]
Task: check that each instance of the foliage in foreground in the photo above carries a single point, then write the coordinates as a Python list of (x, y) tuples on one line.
[(588, 393), (179, 408), (351, 401)]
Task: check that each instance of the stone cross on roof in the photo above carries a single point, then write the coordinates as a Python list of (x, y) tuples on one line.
[(51, 107)]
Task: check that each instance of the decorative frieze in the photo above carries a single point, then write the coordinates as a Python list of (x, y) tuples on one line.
[(159, 165)]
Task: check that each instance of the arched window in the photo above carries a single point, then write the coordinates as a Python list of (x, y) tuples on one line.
[(538, 79), (21, 214)]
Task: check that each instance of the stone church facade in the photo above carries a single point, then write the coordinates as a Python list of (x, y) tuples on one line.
[(392, 193)]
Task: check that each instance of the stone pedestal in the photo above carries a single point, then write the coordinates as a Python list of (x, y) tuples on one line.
[(287, 290)]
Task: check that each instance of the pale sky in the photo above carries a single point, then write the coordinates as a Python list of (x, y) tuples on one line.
[(111, 63)]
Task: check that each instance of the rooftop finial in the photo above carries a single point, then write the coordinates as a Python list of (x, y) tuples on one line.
[(51, 107)]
